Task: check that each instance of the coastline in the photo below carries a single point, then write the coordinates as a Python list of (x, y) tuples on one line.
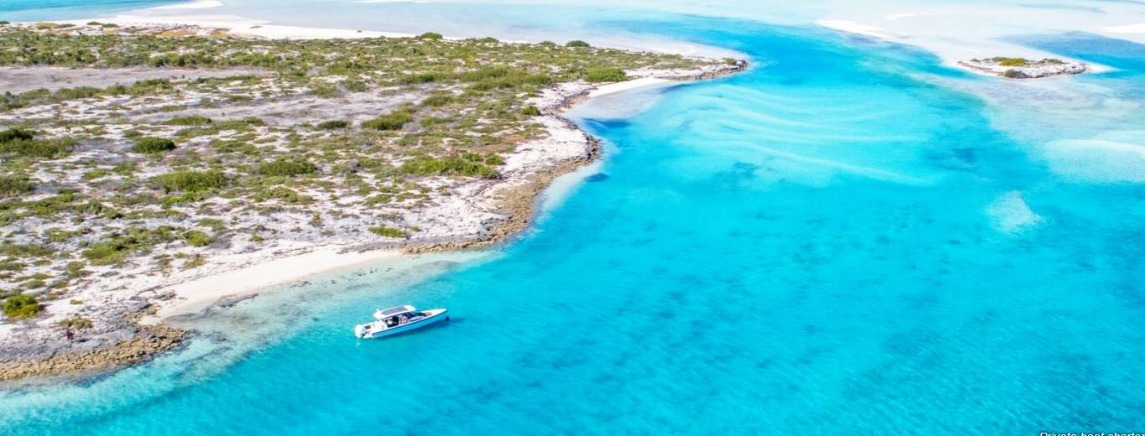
[(141, 333), (850, 198)]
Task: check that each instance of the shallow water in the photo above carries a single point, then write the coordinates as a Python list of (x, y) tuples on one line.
[(34, 10), (844, 238)]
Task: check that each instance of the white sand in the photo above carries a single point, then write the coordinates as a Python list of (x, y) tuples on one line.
[(856, 27), (630, 85), (244, 27), (1138, 28), (196, 295)]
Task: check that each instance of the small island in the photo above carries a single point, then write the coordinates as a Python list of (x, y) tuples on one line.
[(136, 158), (1021, 68)]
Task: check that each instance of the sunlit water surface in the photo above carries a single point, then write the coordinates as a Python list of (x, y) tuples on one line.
[(847, 237)]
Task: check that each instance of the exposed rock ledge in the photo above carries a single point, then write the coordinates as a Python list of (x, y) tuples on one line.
[(1019, 68), (144, 343)]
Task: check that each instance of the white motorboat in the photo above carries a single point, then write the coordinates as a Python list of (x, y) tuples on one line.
[(398, 319)]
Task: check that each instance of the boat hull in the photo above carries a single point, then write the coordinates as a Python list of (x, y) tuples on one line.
[(435, 316)]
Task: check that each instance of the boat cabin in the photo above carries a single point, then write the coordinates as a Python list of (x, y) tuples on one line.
[(398, 316)]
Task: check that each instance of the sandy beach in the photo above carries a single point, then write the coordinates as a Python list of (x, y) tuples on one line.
[(196, 295)]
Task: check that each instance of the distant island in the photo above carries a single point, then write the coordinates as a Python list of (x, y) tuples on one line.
[(136, 158), (1021, 68)]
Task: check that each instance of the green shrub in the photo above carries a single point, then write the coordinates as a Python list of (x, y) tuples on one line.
[(596, 75), (106, 253), (438, 100), (287, 168), (388, 232), (576, 43), (447, 166), (285, 195), (392, 121), (75, 270), (151, 145), (76, 93), (433, 36), (22, 306), (242, 124), (11, 186), (191, 181), (333, 124), (419, 78), (355, 85), (325, 90), (190, 120), (78, 323), (503, 77), (233, 147), (494, 160), (197, 238), (530, 111), (1011, 62), (490, 72), (15, 134), (115, 249), (39, 148), (24, 250), (194, 262)]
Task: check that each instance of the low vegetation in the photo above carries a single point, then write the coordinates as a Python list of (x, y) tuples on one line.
[(1011, 62), (391, 121), (240, 162), (287, 167), (13, 185), (22, 306), (20, 143), (191, 181), (597, 75), (469, 165), (75, 323), (333, 124), (388, 232), (149, 145)]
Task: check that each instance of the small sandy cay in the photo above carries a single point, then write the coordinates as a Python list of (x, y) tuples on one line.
[(1021, 68)]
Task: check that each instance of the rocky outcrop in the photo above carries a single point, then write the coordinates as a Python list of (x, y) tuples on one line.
[(145, 343)]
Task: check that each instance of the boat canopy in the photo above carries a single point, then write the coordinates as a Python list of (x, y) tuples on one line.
[(397, 310)]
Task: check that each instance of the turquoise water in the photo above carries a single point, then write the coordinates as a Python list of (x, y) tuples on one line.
[(38, 10), (830, 242)]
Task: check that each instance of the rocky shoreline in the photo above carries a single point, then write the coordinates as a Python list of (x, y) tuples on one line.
[(145, 343), (512, 197)]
